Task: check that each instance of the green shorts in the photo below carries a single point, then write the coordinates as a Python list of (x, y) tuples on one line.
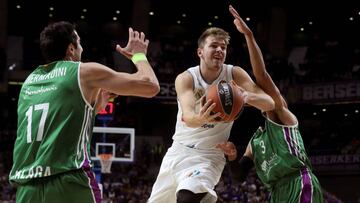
[(297, 188), (74, 186)]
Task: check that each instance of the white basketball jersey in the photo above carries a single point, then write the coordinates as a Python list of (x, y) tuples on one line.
[(208, 135)]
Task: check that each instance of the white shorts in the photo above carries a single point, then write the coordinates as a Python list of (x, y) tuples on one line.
[(187, 168)]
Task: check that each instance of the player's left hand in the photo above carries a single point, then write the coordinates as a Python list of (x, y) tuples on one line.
[(229, 150), (239, 22), (103, 99)]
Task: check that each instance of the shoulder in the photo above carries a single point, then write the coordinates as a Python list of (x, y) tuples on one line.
[(90, 65), (238, 71), (94, 69), (184, 80), (241, 77), (184, 77)]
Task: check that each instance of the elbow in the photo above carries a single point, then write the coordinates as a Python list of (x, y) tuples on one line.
[(190, 125), (266, 104), (270, 105), (186, 121), (153, 90), (147, 84), (189, 122), (152, 87), (262, 102), (156, 89)]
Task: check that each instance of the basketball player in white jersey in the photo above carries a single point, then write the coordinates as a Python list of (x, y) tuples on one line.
[(193, 165)]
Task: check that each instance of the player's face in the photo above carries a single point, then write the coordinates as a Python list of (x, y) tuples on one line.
[(214, 52), (78, 50)]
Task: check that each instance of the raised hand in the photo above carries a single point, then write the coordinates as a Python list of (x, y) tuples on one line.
[(136, 44), (239, 22)]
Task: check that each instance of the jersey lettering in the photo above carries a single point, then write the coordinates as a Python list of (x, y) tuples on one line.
[(262, 145), (44, 108), (33, 172)]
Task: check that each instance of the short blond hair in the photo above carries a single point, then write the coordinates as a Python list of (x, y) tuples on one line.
[(213, 31)]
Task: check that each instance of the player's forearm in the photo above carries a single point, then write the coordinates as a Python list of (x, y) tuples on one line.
[(144, 68), (147, 75), (256, 57), (260, 101), (262, 77), (192, 120)]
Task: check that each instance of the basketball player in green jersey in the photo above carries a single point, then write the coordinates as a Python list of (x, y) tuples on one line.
[(277, 150), (56, 111)]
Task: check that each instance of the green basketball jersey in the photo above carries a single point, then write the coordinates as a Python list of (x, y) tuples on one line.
[(278, 152), (54, 123)]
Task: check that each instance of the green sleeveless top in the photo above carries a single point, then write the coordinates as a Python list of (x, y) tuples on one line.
[(54, 123), (278, 152)]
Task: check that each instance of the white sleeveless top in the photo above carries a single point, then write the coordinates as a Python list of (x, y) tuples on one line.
[(208, 135)]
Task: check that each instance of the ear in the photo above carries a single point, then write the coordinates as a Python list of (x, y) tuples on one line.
[(70, 50), (199, 52)]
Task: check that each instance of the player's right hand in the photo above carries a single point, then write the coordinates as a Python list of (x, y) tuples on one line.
[(205, 114)]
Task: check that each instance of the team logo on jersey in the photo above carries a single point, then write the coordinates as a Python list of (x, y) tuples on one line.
[(196, 172), (198, 93), (269, 163), (208, 126)]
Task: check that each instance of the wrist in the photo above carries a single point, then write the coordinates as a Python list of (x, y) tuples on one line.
[(138, 57), (231, 157)]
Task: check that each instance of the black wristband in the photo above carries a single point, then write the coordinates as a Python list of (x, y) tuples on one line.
[(245, 164), (240, 168)]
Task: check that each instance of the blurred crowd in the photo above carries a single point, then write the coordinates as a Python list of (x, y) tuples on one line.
[(132, 183)]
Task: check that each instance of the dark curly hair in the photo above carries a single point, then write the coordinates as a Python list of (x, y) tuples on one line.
[(55, 38)]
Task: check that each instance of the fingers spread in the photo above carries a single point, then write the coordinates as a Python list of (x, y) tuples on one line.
[(206, 106), (118, 48), (214, 116), (131, 33), (142, 36), (136, 34), (210, 109)]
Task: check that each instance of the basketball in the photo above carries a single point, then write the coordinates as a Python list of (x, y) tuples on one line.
[(229, 100)]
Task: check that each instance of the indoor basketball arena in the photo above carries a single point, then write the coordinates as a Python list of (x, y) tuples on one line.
[(125, 144)]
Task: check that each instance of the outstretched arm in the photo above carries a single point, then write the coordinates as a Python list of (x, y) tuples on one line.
[(143, 83), (257, 62), (263, 79), (254, 95)]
